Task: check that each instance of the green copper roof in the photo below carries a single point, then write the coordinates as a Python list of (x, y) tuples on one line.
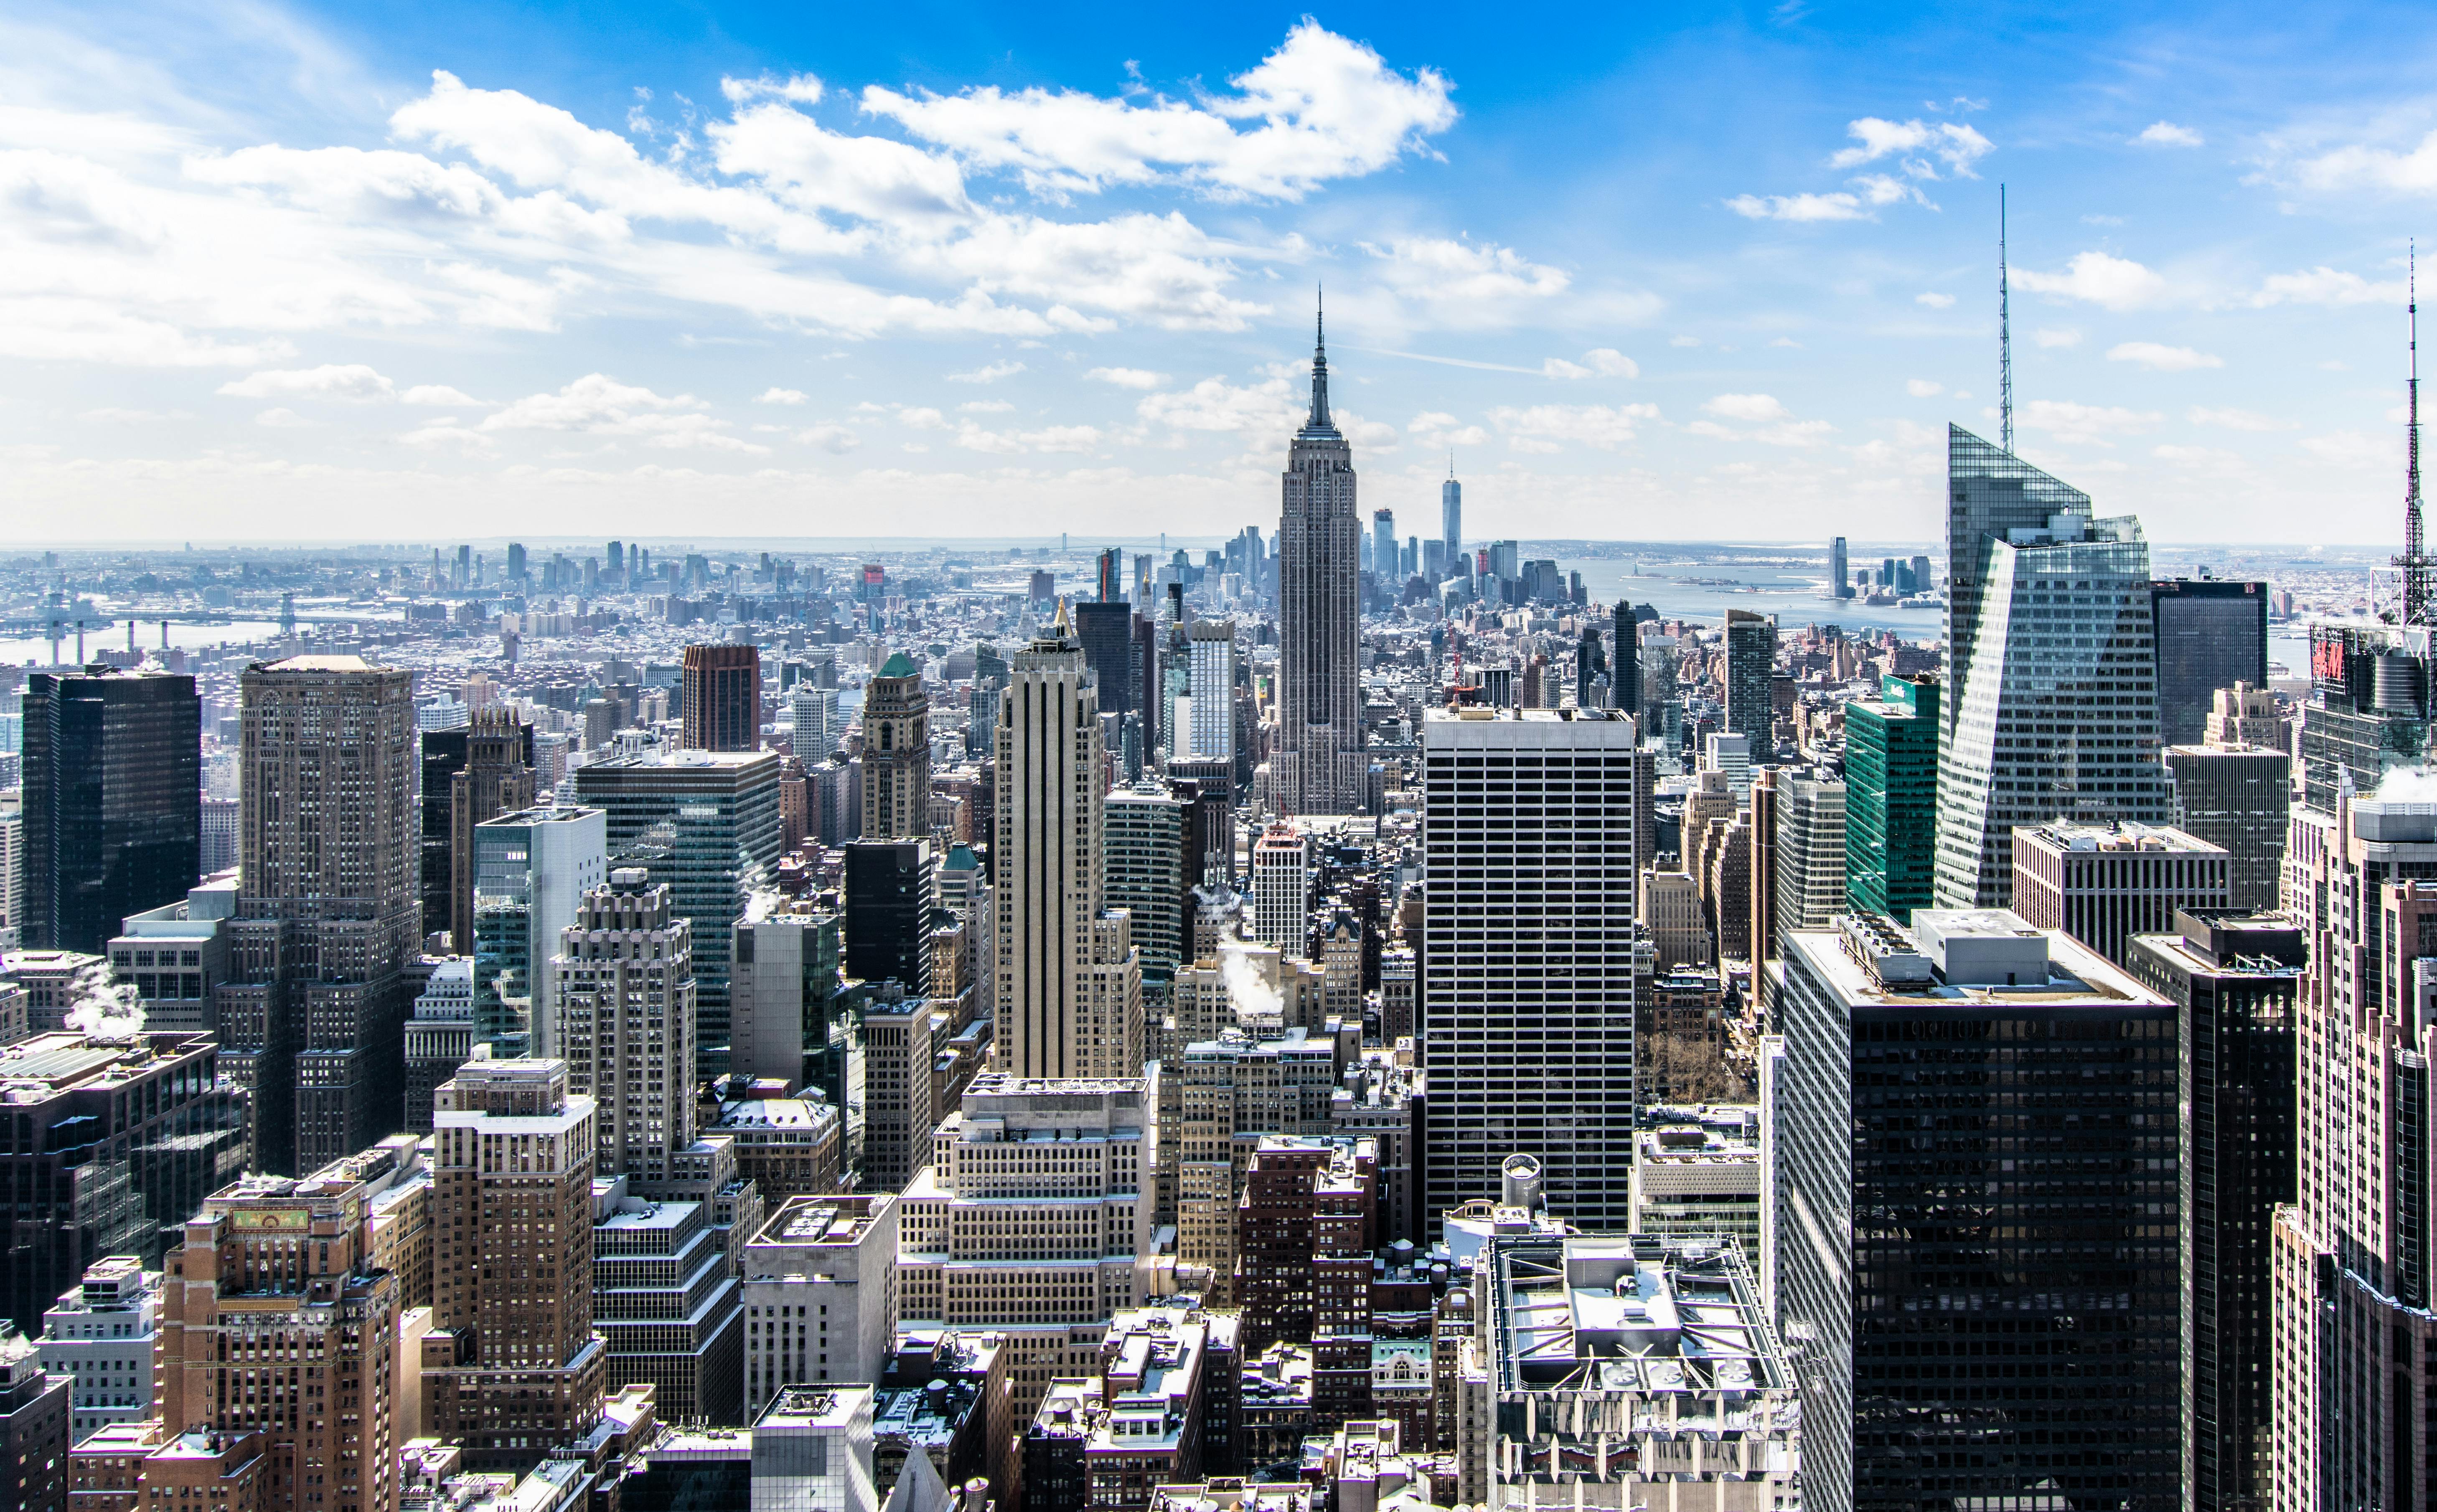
[(900, 664)]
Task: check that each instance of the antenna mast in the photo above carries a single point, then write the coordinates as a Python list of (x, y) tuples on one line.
[(2005, 339), (2417, 568)]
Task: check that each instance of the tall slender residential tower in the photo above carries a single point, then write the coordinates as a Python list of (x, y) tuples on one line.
[(312, 1014), (1451, 517), (1069, 991), (897, 754), (1318, 766), (2053, 707), (498, 778)]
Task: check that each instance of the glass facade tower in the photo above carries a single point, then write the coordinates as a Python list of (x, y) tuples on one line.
[(1891, 797), (2210, 632)]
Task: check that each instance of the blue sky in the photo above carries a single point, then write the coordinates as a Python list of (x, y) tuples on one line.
[(695, 271)]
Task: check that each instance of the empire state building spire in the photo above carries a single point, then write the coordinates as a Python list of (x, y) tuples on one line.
[(1318, 765), (1318, 424)]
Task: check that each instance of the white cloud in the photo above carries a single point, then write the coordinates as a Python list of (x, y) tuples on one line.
[(282, 419), (2158, 358), (1438, 429), (2115, 283), (445, 434), (985, 407), (2071, 421), (1127, 377), (2349, 449), (1799, 207), (438, 395), (2166, 133), (2233, 419), (1956, 144), (2325, 285), (2051, 336), (1539, 428), (780, 396), (1683, 340), (1747, 406), (1606, 362), (1460, 282), (352, 382), (1923, 388), (1213, 404), (1319, 108), (598, 405), (2363, 167), (836, 438), (1935, 301), (989, 372)]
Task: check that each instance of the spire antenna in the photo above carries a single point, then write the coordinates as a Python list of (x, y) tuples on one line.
[(2419, 593), (1318, 420), (2004, 338)]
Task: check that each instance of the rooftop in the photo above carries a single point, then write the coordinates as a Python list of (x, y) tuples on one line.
[(1627, 1313), (1966, 959), (2066, 835)]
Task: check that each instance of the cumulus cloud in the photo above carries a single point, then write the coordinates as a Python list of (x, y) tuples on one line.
[(1540, 428), (2158, 358), (1923, 388), (973, 437), (1213, 404), (2098, 278), (2166, 133), (780, 396), (1321, 107), (2325, 285), (1750, 406), (1950, 142), (2361, 166), (988, 372), (1935, 301), (1127, 377), (1774, 425), (2093, 424), (281, 419), (837, 439), (1604, 362), (438, 395), (1436, 428), (598, 405), (352, 382), (1799, 207)]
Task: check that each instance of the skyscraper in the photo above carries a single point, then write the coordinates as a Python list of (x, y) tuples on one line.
[(1105, 631), (1211, 735), (1451, 522), (1625, 665), (2050, 660), (1891, 797), (890, 889), (625, 969), (312, 1018), (532, 870), (1317, 765), (1839, 575), (1069, 991), (723, 698), (497, 777), (1982, 1311), (1144, 851), (1527, 987), (1751, 662), (897, 753), (2209, 633), (2240, 797), (112, 808), (707, 824), (512, 1367), (1383, 547)]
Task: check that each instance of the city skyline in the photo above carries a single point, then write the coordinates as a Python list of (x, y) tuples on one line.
[(484, 268)]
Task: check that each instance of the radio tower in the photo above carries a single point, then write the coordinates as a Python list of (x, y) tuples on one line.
[(2005, 339), (2417, 568)]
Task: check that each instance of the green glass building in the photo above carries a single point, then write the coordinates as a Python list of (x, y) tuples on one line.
[(1891, 797)]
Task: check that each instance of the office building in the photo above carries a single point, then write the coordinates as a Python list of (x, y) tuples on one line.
[(1696, 1174), (1809, 855), (1105, 631), (1947, 1356), (1069, 990), (2052, 710), (789, 1010), (1210, 734), (1033, 1221), (1891, 798), (1316, 764), (443, 756), (311, 1021), (101, 1334), (1625, 665), (2354, 1341), (1451, 524), (722, 704), (1282, 888), (498, 778), (2238, 798), (218, 851), (1383, 547), (890, 908), (1840, 576), (12, 868), (812, 1449), (900, 1037), (1751, 662), (512, 1367), (2236, 983), (271, 1274), (2248, 715), (34, 1433), (439, 1036), (175, 956), (1644, 1366), (2210, 634), (625, 1002), (785, 1146), (667, 1304), (706, 823), (1527, 986), (816, 727), (1143, 853), (897, 753), (113, 817), (2105, 883), (821, 1293), (532, 869)]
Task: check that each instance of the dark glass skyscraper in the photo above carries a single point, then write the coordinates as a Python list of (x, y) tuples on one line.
[(1107, 633), (113, 801), (2236, 983), (889, 912), (1751, 662), (1891, 797), (2210, 632), (1973, 1249)]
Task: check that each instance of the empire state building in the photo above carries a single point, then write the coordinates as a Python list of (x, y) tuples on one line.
[(1318, 766)]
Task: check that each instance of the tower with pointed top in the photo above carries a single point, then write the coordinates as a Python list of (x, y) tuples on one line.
[(1318, 766), (1451, 517), (2419, 591)]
